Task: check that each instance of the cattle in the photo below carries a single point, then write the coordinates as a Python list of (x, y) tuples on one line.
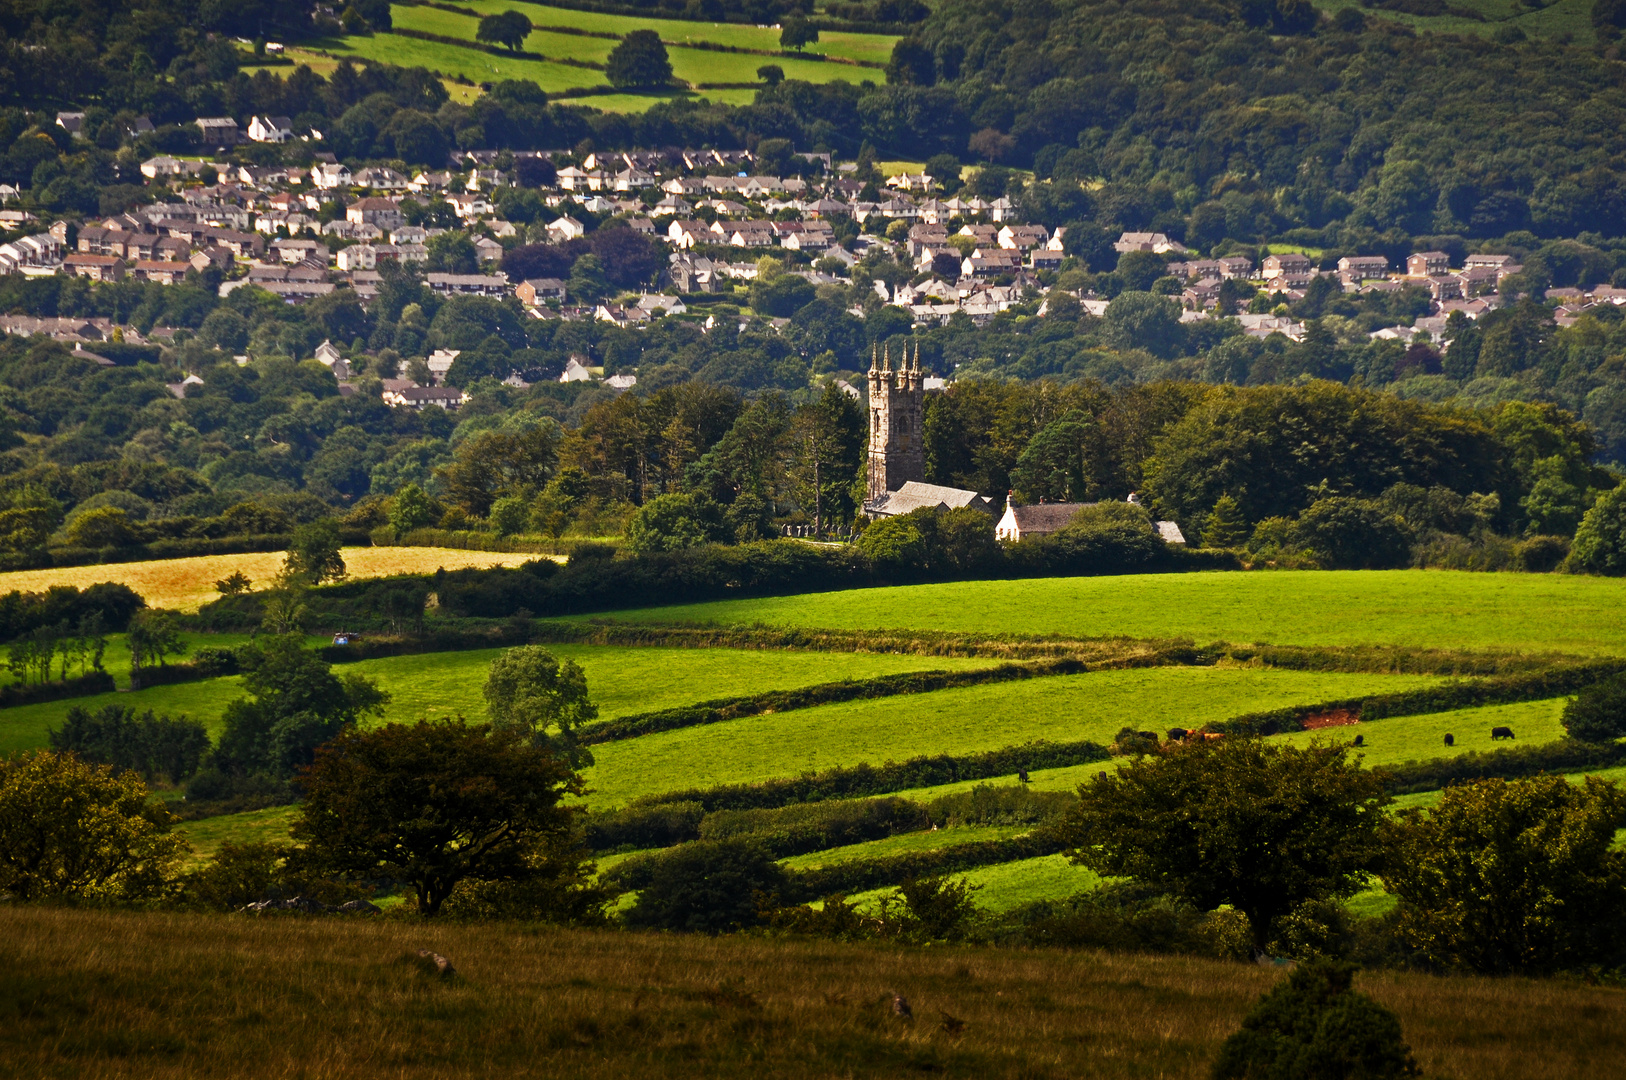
[(1450, 740), (1177, 734), (1360, 740), (1149, 736), (1022, 775), (1501, 733)]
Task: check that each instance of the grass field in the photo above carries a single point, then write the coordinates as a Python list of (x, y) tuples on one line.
[(876, 48), (101, 994), (691, 65), (621, 681), (117, 657), (966, 720), (926, 840), (1415, 608), (1009, 885), (188, 584), (207, 834), (1400, 739), (1562, 17)]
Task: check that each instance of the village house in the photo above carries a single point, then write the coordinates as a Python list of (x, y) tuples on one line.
[(1427, 264), (533, 292), (270, 129), (384, 213), (218, 130)]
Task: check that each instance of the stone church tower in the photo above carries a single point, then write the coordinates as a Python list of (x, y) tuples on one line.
[(897, 411)]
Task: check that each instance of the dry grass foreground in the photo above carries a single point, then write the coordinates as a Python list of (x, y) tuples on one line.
[(90, 994), (188, 584)]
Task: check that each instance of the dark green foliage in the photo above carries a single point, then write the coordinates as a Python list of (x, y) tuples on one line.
[(1352, 534), (1509, 763), (239, 874), (1598, 712), (94, 682), (1260, 827), (640, 826), (674, 522), (1600, 542), (1124, 917), (639, 62), (708, 888), (797, 830), (297, 704), (434, 805), (22, 613), (313, 554), (1315, 1027), (860, 875), (152, 745), (1505, 877), (509, 29)]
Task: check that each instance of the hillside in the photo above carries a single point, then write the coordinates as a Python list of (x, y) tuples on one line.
[(174, 996)]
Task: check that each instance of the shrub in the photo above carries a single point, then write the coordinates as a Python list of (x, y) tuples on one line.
[(1600, 542), (509, 515), (143, 742), (1352, 534), (675, 522), (1598, 712), (1313, 1026), (708, 888), (239, 874), (1128, 917), (658, 826)]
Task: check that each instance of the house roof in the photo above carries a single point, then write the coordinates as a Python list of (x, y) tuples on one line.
[(1045, 517)]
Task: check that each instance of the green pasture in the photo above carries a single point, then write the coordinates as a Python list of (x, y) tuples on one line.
[(870, 47), (472, 64), (690, 65), (621, 680), (926, 840), (207, 834), (1400, 739), (1572, 17), (1009, 885), (1412, 608), (959, 721)]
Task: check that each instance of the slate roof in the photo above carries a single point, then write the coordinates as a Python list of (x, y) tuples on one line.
[(915, 495)]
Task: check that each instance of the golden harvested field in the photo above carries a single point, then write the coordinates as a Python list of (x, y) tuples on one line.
[(188, 584)]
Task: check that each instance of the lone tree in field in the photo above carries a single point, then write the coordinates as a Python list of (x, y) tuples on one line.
[(798, 34), (313, 554), (545, 699), (509, 30), (72, 829), (1263, 828), (1513, 876), (639, 62), (433, 804)]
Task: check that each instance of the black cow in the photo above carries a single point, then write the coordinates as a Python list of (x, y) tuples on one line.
[(1177, 734), (1022, 775), (1501, 733), (1450, 740), (1360, 740)]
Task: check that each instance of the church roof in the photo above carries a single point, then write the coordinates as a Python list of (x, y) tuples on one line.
[(915, 496)]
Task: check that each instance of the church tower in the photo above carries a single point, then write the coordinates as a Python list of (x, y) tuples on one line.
[(897, 411)]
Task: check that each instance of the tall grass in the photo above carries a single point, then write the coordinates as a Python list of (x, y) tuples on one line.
[(89, 994)]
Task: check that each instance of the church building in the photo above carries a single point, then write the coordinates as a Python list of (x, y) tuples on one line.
[(897, 447)]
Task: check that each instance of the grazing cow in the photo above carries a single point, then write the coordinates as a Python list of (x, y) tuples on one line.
[(1450, 740), (1206, 736), (1022, 775), (1360, 740), (1149, 736), (1177, 734), (1501, 733)]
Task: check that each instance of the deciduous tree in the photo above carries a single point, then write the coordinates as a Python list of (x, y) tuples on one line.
[(530, 690)]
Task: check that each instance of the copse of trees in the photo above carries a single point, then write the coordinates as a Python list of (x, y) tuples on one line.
[(639, 62)]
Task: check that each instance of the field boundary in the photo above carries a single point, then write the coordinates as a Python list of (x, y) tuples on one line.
[(480, 46), (883, 686)]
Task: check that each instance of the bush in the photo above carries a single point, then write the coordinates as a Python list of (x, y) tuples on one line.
[(149, 744), (632, 827), (675, 522), (1352, 534), (808, 827), (1600, 542), (239, 874), (1313, 1026), (1128, 917), (709, 888), (1598, 712)]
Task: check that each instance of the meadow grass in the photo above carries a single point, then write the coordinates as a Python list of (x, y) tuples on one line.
[(93, 994), (207, 834), (1399, 739), (903, 843), (620, 679), (690, 65), (959, 721), (469, 63), (188, 584), (1412, 608), (1572, 17), (871, 47)]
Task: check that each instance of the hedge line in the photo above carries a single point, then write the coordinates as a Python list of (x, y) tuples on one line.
[(183, 548), (469, 540), (94, 682), (862, 874), (1565, 755), (915, 682), (855, 781), (1532, 686)]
